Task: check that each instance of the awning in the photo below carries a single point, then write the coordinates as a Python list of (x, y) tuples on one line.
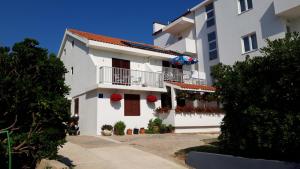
[(191, 87)]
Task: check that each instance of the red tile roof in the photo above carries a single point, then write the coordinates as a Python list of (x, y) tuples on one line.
[(121, 42), (192, 86)]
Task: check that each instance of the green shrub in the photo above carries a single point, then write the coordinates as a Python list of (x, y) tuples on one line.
[(119, 128), (34, 107), (261, 99)]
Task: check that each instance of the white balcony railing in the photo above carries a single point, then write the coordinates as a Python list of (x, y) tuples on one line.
[(128, 77), (185, 45), (183, 76)]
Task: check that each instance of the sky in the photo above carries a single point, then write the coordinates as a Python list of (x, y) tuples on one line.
[(47, 20)]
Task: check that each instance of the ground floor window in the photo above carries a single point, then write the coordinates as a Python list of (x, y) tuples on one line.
[(76, 106), (132, 105)]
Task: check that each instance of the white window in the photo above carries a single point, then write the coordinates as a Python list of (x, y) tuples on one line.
[(212, 45), (249, 43), (245, 5), (210, 15)]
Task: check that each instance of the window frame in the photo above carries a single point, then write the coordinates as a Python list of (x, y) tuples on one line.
[(249, 37), (214, 49), (212, 17), (246, 6)]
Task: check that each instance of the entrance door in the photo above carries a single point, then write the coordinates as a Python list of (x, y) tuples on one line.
[(120, 71)]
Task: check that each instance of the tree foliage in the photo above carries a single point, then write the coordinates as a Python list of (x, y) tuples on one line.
[(261, 98), (33, 103)]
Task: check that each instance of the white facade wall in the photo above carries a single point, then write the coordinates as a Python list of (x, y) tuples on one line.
[(231, 26), (88, 113), (193, 122), (104, 58), (112, 112), (77, 57)]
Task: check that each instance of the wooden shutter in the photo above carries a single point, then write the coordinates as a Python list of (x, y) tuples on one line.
[(76, 106), (132, 105)]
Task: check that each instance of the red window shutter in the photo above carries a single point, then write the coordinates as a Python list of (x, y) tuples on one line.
[(132, 105)]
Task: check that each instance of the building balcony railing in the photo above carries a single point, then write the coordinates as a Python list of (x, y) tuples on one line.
[(129, 77), (185, 46), (183, 76)]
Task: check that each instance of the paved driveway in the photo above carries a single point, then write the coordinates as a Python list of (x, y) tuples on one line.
[(137, 151), (86, 152)]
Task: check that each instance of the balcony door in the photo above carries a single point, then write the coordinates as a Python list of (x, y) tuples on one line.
[(120, 72), (172, 72)]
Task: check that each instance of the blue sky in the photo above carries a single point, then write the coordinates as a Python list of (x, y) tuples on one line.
[(46, 20)]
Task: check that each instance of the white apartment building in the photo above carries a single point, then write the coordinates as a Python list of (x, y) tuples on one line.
[(226, 31), (112, 80)]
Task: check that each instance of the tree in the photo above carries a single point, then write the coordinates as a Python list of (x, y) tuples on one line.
[(261, 99), (33, 103)]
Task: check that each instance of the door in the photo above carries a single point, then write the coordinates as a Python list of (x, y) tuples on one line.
[(132, 105), (120, 71)]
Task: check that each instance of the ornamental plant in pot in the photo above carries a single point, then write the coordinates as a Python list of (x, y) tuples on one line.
[(119, 128), (129, 132), (142, 130), (106, 130)]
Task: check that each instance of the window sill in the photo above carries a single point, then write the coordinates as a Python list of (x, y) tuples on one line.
[(251, 51), (241, 13)]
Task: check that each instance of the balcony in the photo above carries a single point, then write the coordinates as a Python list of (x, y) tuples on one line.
[(128, 79), (186, 46), (179, 25), (287, 8), (183, 76)]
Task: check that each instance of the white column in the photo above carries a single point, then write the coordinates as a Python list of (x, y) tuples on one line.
[(173, 98)]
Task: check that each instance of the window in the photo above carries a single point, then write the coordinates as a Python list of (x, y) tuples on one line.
[(249, 43), (212, 45), (76, 106), (245, 5), (73, 43), (72, 70), (132, 105), (210, 14)]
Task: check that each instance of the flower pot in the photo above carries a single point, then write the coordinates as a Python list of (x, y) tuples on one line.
[(106, 132), (129, 132), (142, 130), (135, 131)]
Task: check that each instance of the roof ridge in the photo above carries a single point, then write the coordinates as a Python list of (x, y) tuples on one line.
[(81, 33)]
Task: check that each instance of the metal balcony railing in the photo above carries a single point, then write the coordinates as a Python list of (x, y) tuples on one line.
[(129, 77), (182, 76)]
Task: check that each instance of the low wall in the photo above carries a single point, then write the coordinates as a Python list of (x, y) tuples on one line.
[(193, 122), (200, 160)]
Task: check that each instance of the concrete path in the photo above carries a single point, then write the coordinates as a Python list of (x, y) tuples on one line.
[(98, 153)]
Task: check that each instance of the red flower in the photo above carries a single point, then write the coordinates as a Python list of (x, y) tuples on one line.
[(115, 97), (151, 98)]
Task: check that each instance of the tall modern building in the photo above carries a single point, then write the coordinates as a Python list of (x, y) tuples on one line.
[(226, 31)]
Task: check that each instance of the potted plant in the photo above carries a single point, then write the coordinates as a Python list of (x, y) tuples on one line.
[(142, 130), (106, 130), (129, 132), (119, 128), (135, 131)]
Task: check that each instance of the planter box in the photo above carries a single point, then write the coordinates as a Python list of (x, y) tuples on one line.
[(202, 160), (193, 122)]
